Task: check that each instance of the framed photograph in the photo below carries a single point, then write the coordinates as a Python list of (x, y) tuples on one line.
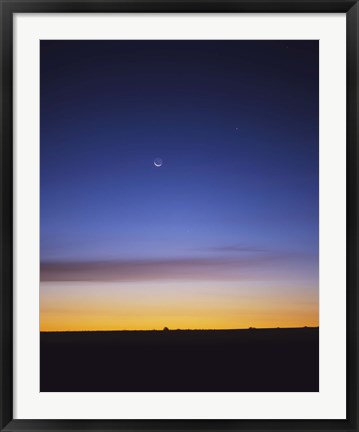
[(179, 215)]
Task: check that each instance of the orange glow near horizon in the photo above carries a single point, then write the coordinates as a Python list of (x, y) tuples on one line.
[(197, 305)]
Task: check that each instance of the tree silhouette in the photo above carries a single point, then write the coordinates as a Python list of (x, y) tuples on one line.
[(165, 329)]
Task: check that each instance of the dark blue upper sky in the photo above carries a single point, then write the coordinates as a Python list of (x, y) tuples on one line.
[(235, 122)]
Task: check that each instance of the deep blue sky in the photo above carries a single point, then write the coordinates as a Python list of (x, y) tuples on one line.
[(235, 122)]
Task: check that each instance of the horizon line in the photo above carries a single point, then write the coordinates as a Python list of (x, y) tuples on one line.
[(178, 329)]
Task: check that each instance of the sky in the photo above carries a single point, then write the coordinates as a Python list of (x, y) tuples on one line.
[(224, 234)]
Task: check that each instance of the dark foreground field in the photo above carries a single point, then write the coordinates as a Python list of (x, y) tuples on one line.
[(181, 360)]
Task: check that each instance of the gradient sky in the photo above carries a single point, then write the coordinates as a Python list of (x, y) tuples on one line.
[(225, 233)]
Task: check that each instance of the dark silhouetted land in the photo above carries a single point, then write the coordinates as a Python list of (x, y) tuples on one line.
[(253, 360)]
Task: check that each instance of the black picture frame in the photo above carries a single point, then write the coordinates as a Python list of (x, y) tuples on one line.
[(10, 7)]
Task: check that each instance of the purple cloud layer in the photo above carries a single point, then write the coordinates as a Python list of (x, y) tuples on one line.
[(161, 269)]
